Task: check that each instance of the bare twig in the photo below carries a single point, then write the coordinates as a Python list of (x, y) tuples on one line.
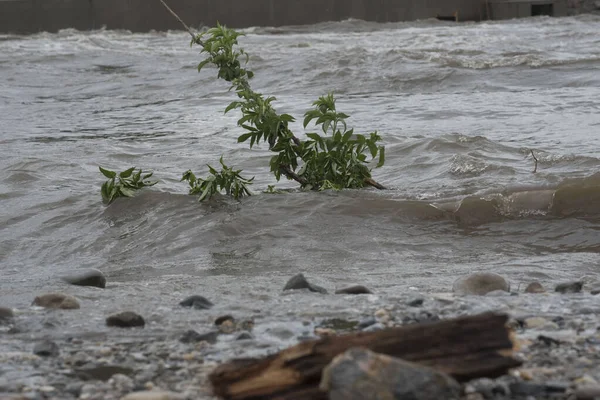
[(187, 28), (536, 161)]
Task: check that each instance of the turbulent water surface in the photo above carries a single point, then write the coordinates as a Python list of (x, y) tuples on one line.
[(460, 107)]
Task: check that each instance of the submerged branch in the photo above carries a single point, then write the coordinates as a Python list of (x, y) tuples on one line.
[(536, 161)]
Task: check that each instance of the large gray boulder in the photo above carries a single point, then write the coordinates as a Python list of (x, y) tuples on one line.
[(360, 374)]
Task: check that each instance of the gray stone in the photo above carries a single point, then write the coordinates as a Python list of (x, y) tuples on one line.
[(191, 336), (480, 283), (125, 319), (569, 287), (535, 287), (47, 348), (588, 392), (245, 335), (74, 388), (356, 289), (416, 301), (57, 301), (360, 374), (6, 313), (197, 302), (102, 372), (88, 277), (299, 282)]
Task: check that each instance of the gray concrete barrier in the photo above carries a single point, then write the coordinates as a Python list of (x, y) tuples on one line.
[(27, 16)]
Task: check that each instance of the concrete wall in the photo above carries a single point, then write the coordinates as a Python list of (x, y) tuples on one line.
[(27, 16), (507, 9)]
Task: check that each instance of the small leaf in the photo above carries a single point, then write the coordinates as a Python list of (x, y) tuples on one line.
[(381, 157), (127, 173), (107, 173), (244, 137)]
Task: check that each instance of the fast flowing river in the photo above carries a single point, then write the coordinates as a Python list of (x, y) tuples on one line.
[(459, 106)]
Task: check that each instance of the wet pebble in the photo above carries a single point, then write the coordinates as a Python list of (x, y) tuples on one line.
[(197, 302), (191, 336), (480, 283), (299, 282), (47, 348), (6, 313), (244, 335), (57, 301), (535, 287), (125, 319), (416, 301), (535, 322), (88, 277), (356, 289), (569, 287), (121, 383), (362, 374)]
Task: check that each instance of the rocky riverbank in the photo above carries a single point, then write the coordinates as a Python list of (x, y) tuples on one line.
[(48, 351)]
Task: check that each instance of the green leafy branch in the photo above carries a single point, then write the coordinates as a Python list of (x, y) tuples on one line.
[(123, 184), (337, 159), (228, 180)]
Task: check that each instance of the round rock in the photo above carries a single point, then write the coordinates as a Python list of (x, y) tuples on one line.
[(359, 374), (57, 301), (191, 336), (569, 287), (480, 283), (196, 301), (535, 287), (6, 313), (125, 319), (299, 282), (47, 348), (88, 277), (356, 289)]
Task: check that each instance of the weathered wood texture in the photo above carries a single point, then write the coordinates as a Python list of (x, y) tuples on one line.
[(465, 348)]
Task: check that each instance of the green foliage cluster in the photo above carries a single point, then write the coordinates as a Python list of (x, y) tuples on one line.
[(336, 158), (123, 184), (228, 180)]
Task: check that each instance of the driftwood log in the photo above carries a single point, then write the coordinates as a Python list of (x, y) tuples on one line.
[(464, 348)]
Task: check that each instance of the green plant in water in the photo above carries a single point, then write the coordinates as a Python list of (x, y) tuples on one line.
[(336, 159), (228, 180), (123, 184)]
